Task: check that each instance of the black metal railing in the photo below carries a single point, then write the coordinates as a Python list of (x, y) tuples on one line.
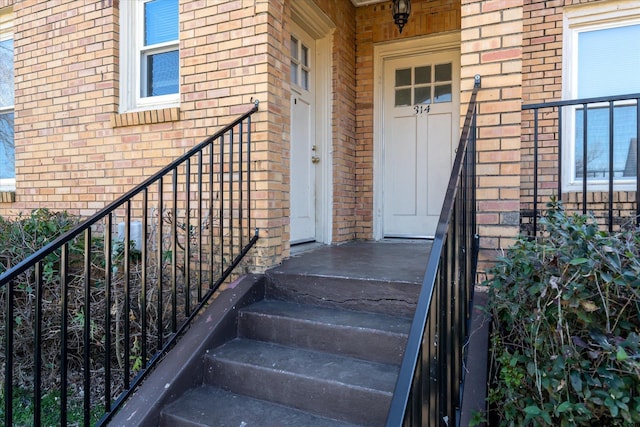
[(583, 152), (108, 299), (429, 387)]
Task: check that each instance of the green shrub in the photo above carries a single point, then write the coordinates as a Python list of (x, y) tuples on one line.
[(565, 341)]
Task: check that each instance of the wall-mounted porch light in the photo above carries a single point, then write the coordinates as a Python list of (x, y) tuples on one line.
[(401, 11)]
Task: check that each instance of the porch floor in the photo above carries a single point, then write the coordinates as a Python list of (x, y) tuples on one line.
[(396, 261)]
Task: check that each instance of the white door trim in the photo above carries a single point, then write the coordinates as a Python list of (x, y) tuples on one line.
[(307, 15), (382, 52)]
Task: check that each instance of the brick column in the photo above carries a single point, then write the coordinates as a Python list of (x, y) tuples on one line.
[(491, 45)]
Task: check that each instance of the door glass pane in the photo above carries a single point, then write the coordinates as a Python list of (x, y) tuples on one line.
[(294, 47), (423, 95), (6, 73), (304, 57), (423, 75), (442, 93), (443, 72), (7, 159), (403, 97), (162, 75), (294, 73), (160, 21), (403, 77), (305, 79)]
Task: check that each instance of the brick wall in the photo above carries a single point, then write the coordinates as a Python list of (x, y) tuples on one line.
[(374, 24), (542, 82), (492, 47)]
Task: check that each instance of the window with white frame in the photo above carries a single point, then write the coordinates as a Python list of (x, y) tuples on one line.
[(601, 58), (7, 148), (150, 62)]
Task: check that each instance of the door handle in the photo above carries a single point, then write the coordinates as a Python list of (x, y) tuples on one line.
[(315, 159)]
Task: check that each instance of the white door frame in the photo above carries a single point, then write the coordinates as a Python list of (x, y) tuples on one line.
[(312, 20), (382, 52)]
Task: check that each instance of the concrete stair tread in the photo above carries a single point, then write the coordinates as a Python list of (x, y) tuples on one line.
[(212, 406), (332, 316), (332, 368)]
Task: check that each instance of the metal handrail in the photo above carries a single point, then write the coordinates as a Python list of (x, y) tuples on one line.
[(210, 183), (429, 382), (556, 108)]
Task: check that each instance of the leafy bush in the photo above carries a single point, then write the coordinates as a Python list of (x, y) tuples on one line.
[(566, 312)]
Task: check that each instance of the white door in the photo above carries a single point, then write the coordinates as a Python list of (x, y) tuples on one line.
[(421, 122), (304, 151)]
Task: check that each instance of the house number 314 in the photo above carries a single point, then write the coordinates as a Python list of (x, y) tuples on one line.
[(421, 109)]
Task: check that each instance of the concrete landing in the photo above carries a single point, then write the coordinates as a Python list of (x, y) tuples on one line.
[(401, 261)]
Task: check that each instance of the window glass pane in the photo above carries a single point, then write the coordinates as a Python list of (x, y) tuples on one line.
[(403, 97), (423, 75), (160, 21), (162, 73), (403, 77), (305, 79), (624, 142), (443, 73), (294, 73), (7, 159), (305, 56), (294, 48), (422, 95), (442, 93), (6, 73), (608, 62)]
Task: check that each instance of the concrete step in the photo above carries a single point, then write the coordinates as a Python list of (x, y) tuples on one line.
[(212, 406), (330, 385), (370, 336), (361, 294)]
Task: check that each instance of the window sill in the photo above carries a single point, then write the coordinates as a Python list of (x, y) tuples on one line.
[(147, 117), (7, 196)]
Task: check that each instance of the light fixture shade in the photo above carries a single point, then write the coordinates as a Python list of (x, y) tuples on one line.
[(401, 11)]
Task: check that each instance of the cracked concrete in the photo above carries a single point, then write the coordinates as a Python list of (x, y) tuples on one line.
[(382, 277)]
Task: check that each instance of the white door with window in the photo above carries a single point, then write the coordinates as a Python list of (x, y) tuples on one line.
[(304, 150), (421, 127)]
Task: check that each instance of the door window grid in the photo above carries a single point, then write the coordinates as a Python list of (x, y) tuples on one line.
[(300, 64), (423, 85)]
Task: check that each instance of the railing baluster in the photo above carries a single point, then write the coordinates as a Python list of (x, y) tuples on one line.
[(231, 195), (240, 188), (187, 239), (126, 315), (8, 366), (64, 316), (560, 153), (174, 252), (585, 123), (221, 203), (87, 327), (37, 359), (610, 204), (144, 276), (535, 172), (160, 264), (108, 279), (199, 228)]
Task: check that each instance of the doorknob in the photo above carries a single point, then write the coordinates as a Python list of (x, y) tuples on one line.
[(315, 159)]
